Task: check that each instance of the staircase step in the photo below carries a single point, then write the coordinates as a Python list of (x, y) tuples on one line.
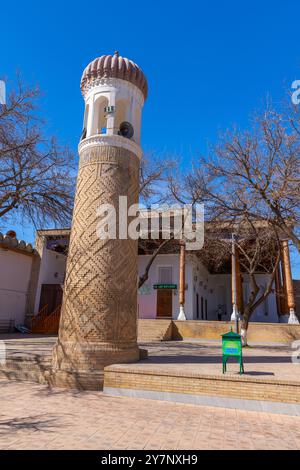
[(154, 330)]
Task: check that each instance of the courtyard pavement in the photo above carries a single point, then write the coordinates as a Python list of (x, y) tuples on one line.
[(204, 357), (34, 417)]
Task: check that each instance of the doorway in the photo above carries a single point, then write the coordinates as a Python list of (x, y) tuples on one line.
[(164, 303), (51, 295)]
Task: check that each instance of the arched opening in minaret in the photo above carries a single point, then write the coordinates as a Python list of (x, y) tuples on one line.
[(99, 119), (85, 121), (121, 113)]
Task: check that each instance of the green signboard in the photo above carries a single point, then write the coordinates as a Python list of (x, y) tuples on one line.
[(232, 347), (165, 286)]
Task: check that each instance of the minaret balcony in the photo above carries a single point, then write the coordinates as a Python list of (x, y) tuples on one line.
[(113, 140)]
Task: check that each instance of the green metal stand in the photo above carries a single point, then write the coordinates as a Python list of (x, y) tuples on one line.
[(240, 361), (232, 347)]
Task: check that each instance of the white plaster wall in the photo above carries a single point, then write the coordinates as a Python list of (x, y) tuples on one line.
[(148, 300), (216, 289), (15, 271), (52, 271), (207, 287), (220, 294), (189, 292)]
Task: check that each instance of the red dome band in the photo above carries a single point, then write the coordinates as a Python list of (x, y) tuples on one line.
[(108, 66)]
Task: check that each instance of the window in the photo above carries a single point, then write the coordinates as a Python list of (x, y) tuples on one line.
[(165, 275)]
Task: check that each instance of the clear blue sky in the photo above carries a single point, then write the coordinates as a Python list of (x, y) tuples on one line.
[(209, 63)]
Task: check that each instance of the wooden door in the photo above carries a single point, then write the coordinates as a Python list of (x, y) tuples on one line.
[(51, 295), (164, 303)]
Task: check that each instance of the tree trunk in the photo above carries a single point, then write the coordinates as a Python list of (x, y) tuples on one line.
[(244, 326)]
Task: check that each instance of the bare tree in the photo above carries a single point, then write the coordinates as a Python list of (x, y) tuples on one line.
[(259, 253), (257, 241), (154, 173), (36, 174), (256, 173)]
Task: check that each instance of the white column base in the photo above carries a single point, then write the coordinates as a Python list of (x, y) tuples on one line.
[(181, 315), (244, 337), (293, 320), (235, 314)]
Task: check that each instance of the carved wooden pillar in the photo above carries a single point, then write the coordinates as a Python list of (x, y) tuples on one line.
[(235, 313), (284, 304), (239, 283), (288, 283), (181, 315)]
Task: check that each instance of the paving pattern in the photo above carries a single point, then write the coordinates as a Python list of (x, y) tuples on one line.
[(35, 417), (265, 361)]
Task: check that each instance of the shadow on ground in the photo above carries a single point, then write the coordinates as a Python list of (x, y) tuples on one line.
[(45, 423)]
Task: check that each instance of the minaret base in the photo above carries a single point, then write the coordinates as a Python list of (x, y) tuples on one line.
[(87, 371), (93, 381)]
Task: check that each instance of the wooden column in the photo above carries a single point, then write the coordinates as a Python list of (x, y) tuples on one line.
[(239, 283), (235, 313), (288, 281), (181, 315), (284, 304)]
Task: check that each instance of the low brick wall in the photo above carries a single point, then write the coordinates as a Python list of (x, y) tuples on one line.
[(129, 377), (154, 330), (257, 333)]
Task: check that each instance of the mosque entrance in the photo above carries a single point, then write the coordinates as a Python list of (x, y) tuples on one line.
[(164, 303)]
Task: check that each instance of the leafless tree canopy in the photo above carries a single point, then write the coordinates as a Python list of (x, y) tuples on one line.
[(154, 174), (36, 174), (255, 174), (250, 187), (258, 250)]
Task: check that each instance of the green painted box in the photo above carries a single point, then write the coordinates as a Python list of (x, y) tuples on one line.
[(232, 347)]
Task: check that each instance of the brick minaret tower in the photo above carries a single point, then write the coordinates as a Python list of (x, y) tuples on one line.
[(98, 323)]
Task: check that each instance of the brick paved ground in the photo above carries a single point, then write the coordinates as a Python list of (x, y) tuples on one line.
[(33, 417), (272, 361)]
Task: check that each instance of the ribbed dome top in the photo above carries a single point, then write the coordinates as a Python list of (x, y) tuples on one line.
[(115, 66)]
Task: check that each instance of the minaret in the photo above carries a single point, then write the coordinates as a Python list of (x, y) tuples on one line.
[(98, 323)]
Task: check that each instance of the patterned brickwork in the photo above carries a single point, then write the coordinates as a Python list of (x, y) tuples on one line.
[(99, 315), (250, 388), (258, 332), (154, 330), (46, 419)]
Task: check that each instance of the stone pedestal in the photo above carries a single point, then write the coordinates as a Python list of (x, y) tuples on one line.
[(98, 324)]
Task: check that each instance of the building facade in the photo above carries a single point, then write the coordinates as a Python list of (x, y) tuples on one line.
[(33, 278), (19, 265), (208, 296)]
